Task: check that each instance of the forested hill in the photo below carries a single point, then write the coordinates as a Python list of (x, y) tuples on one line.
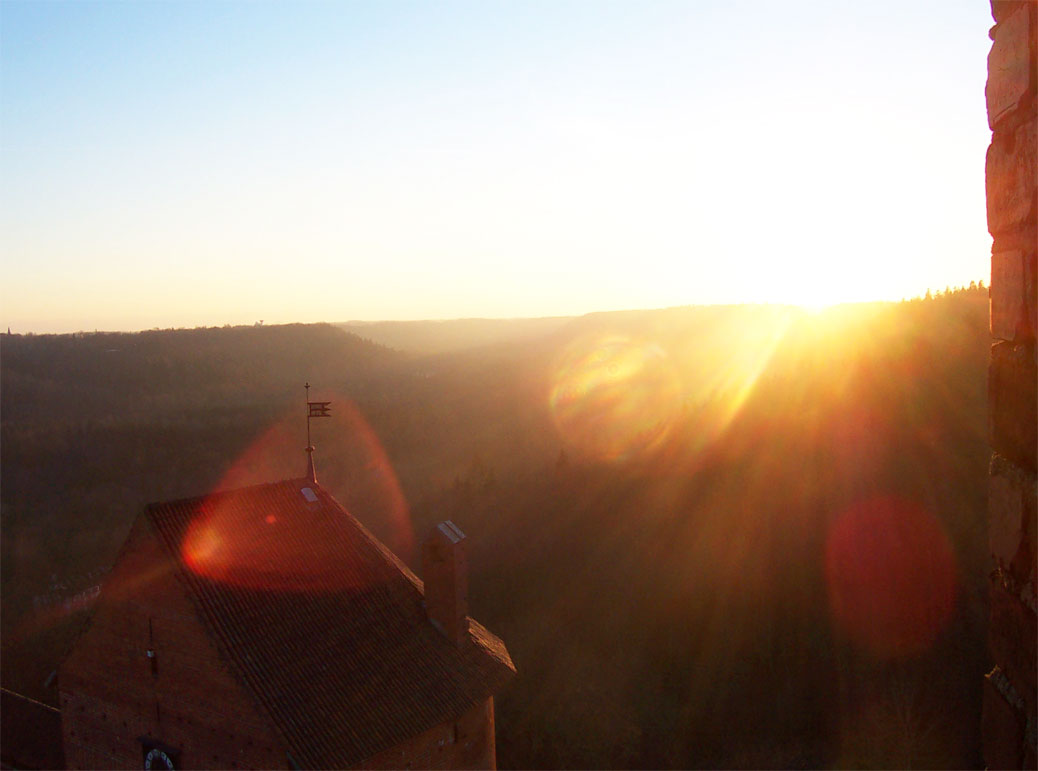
[(650, 497), (95, 425), (76, 377)]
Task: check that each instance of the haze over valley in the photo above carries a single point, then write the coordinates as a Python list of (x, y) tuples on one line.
[(656, 503), (642, 295)]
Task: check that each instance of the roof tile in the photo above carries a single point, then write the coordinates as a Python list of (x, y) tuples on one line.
[(323, 624)]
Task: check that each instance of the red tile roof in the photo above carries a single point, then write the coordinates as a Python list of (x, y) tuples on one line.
[(322, 623)]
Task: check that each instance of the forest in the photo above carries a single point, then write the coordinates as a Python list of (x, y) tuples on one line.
[(711, 537)]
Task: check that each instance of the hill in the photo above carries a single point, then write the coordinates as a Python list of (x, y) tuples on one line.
[(453, 335), (657, 502)]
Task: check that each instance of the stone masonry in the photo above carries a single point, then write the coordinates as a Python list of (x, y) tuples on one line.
[(1010, 691)]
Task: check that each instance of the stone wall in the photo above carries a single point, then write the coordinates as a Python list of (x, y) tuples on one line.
[(1010, 690)]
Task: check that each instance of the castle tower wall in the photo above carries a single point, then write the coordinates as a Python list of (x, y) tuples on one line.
[(1009, 724)]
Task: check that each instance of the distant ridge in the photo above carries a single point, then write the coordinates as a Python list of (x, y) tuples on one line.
[(123, 372), (453, 335)]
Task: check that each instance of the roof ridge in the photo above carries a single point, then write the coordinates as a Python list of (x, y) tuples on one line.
[(88, 622), (372, 539), (29, 699), (230, 491)]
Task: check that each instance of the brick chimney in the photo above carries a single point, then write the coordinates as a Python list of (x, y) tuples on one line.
[(445, 570)]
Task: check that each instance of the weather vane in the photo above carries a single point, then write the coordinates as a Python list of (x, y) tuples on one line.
[(313, 410)]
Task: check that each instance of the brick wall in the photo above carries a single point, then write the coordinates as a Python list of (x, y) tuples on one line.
[(1009, 723), (110, 696)]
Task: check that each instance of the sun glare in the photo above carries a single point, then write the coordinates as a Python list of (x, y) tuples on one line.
[(617, 396), (255, 549), (614, 397), (814, 307)]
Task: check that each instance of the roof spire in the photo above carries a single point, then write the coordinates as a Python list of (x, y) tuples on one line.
[(311, 472), (313, 410)]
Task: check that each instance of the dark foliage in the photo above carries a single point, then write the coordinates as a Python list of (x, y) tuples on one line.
[(670, 608)]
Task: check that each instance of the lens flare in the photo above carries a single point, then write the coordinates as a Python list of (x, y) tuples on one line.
[(614, 398), (891, 576), (234, 541), (640, 385), (262, 549)]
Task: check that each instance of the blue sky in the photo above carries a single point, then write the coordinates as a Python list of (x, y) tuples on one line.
[(183, 164)]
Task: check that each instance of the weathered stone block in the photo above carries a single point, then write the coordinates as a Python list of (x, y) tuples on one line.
[(1005, 515), (1021, 240), (1002, 728), (1010, 178), (1013, 402), (1014, 310), (1001, 9), (1009, 65), (1013, 640), (1012, 520)]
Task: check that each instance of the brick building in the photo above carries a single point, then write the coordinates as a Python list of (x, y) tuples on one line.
[(267, 628)]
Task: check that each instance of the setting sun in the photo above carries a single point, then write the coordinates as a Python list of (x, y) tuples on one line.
[(554, 384), (625, 157)]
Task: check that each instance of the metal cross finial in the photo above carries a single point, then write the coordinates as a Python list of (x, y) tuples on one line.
[(313, 410)]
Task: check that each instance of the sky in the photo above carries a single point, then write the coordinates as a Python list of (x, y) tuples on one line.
[(198, 164)]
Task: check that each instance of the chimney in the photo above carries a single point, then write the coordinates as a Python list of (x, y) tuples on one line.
[(445, 570)]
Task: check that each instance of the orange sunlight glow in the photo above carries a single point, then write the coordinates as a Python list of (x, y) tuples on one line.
[(259, 550), (746, 355), (260, 554), (614, 397), (618, 397)]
